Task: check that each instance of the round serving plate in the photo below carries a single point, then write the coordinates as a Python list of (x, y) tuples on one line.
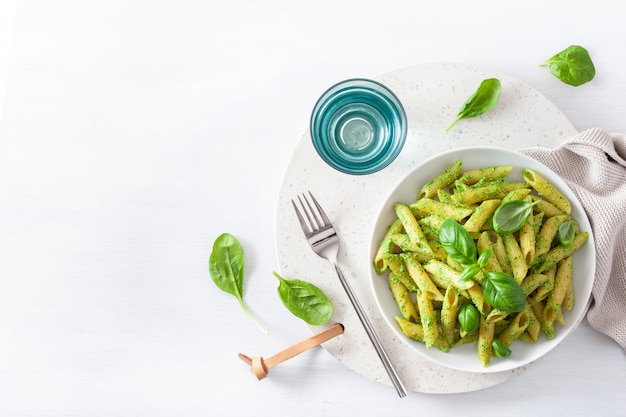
[(432, 94)]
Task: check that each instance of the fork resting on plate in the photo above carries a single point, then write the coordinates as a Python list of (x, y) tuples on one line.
[(323, 239)]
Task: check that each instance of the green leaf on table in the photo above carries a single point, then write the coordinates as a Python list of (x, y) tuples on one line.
[(483, 100), (226, 266), (305, 300), (573, 66)]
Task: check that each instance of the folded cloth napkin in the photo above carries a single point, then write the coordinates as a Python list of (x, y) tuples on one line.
[(593, 163)]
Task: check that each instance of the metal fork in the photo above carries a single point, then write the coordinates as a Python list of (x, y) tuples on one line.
[(323, 239)]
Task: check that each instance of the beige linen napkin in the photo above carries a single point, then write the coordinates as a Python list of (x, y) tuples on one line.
[(593, 163)]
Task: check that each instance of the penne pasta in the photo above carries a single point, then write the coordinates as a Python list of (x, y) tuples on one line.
[(475, 293), (406, 244), (429, 280), (559, 252), (547, 190), (500, 251), (473, 176), (547, 233), (445, 178), (519, 268), (448, 315), (496, 315), (533, 329), (411, 227), (412, 330), (480, 216), (403, 298), (398, 268), (485, 337), (386, 247), (483, 244), (555, 299), (527, 239), (428, 206), (446, 274), (516, 194), (478, 195), (428, 319), (534, 281), (515, 329), (422, 279), (432, 222), (545, 288), (545, 207)]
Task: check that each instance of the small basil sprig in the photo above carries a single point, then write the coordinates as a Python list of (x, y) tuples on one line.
[(226, 266), (573, 66), (566, 232), (500, 350), (304, 300), (483, 99), (457, 242), (509, 217), (469, 272), (469, 318), (501, 290)]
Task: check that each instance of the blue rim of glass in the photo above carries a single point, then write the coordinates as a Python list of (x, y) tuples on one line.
[(391, 149)]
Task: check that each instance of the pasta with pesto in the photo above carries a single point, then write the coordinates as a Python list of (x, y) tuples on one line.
[(430, 285)]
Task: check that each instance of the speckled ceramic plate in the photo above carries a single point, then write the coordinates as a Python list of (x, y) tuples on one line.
[(432, 95)]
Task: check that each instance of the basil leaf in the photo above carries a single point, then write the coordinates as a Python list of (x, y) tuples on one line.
[(510, 216), (226, 266), (469, 318), (484, 257), (501, 291), (469, 272), (573, 65), (500, 350), (304, 300), (566, 233), (483, 99), (457, 242)]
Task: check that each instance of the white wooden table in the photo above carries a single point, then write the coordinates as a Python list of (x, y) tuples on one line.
[(134, 132)]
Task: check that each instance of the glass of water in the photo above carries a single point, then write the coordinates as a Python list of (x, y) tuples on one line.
[(358, 126)]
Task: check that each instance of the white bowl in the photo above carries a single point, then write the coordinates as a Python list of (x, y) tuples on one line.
[(465, 358)]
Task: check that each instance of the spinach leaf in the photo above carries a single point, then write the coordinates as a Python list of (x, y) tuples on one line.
[(483, 99), (469, 318), (457, 242), (566, 233), (510, 216), (226, 266), (501, 291), (500, 350), (573, 65), (304, 300)]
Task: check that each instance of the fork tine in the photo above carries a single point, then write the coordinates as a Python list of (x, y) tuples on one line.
[(320, 210), (314, 220), (303, 224), (310, 216)]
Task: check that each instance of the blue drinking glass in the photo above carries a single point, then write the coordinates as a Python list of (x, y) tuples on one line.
[(358, 126)]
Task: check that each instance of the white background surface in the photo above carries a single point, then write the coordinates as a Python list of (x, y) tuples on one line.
[(135, 132)]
